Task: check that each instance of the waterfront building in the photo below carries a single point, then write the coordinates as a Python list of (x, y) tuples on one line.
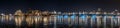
[(19, 17), (2, 17), (36, 17)]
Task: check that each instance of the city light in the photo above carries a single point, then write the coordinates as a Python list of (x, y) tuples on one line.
[(46, 18)]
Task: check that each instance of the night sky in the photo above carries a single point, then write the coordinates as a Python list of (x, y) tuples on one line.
[(10, 6)]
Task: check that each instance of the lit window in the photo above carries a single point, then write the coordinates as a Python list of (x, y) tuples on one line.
[(93, 16), (83, 17), (105, 16), (113, 17), (59, 17), (73, 17), (66, 16)]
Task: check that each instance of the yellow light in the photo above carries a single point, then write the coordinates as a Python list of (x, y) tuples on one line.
[(36, 20), (29, 21), (45, 19)]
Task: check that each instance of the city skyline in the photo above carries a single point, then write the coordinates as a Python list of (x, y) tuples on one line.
[(59, 13), (34, 18)]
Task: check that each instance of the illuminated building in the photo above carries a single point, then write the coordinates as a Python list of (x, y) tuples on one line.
[(33, 17), (19, 16), (11, 19), (118, 20), (29, 20), (114, 19), (7, 19), (2, 17), (45, 17), (93, 19), (99, 17), (65, 19), (59, 19), (83, 17), (36, 17)]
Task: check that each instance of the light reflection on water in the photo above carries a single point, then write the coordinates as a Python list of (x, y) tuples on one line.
[(36, 20)]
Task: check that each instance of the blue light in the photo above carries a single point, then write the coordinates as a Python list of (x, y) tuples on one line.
[(66, 16), (73, 13), (83, 17), (59, 17), (93, 16), (73, 17), (113, 17), (105, 17)]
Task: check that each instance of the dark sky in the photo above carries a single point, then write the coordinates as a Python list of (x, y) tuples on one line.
[(7, 6)]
